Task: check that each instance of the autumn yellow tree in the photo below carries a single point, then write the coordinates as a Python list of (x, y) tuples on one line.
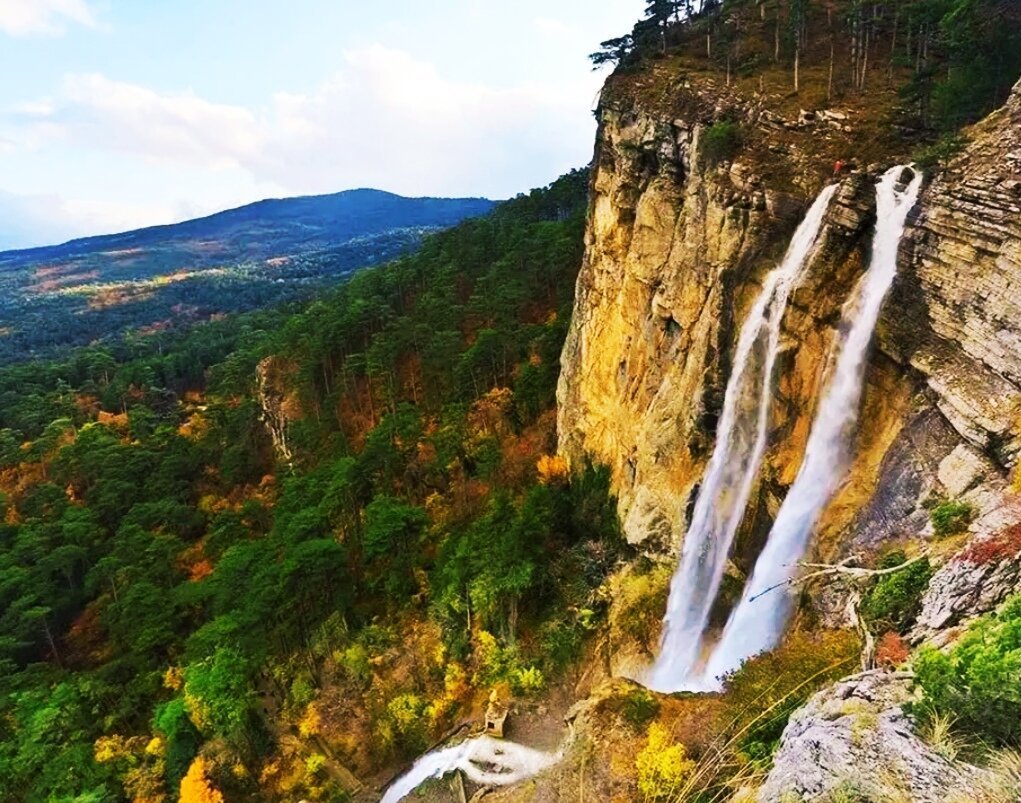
[(553, 470), (662, 765), (196, 786)]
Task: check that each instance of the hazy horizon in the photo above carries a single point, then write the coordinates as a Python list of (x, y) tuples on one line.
[(124, 117)]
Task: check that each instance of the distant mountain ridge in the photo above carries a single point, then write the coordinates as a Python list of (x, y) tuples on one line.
[(332, 215), (153, 278)]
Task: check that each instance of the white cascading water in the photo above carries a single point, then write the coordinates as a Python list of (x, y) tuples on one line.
[(758, 622), (484, 760), (727, 484)]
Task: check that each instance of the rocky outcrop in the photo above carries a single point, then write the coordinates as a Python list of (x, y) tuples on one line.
[(956, 317), (980, 576), (855, 738), (279, 407)]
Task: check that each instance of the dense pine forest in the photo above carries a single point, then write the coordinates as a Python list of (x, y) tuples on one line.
[(172, 582)]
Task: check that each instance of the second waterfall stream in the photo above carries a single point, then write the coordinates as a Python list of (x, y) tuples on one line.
[(740, 445), (760, 618), (758, 622)]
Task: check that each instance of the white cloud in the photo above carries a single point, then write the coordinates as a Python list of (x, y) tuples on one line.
[(385, 120), (389, 119), (126, 117), (552, 27), (47, 17)]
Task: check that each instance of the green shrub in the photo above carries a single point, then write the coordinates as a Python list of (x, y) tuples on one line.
[(528, 680), (978, 681), (638, 708), (495, 662), (895, 599), (406, 714), (315, 765), (639, 599), (940, 153), (561, 642), (950, 517), (180, 736), (303, 691), (720, 142), (768, 688), (355, 663)]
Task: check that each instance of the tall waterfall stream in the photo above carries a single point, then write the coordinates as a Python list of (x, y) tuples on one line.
[(740, 445), (758, 622)]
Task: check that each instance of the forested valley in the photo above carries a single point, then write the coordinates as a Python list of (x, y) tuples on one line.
[(171, 583)]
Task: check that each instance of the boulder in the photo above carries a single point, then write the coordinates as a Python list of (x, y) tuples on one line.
[(856, 737)]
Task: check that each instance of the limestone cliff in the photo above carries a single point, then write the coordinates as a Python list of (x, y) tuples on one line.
[(957, 317), (677, 244)]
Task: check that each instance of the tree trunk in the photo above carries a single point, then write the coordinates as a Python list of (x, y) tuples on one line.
[(52, 643), (865, 62), (512, 621), (868, 641), (829, 84), (893, 42)]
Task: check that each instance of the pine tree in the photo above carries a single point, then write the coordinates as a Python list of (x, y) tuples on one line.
[(613, 51)]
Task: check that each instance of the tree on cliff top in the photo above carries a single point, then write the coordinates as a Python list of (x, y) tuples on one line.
[(613, 51), (954, 60)]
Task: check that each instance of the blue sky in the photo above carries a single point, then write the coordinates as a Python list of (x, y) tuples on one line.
[(117, 114)]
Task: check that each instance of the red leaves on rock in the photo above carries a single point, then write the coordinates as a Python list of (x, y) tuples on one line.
[(1002, 546)]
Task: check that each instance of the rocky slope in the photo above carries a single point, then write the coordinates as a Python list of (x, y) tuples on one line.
[(856, 737)]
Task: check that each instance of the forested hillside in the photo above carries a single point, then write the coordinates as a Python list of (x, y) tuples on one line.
[(155, 279), (175, 598), (949, 61)]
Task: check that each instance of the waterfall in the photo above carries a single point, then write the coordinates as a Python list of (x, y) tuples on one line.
[(484, 760), (758, 622), (727, 484)]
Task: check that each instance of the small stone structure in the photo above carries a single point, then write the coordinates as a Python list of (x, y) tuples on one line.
[(496, 715)]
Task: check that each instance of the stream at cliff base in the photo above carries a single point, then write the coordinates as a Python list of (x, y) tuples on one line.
[(484, 760)]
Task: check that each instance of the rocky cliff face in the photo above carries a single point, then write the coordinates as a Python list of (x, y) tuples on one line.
[(278, 404), (951, 328), (677, 246), (676, 249), (957, 317)]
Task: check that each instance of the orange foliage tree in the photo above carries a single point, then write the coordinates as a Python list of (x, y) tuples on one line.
[(196, 786)]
